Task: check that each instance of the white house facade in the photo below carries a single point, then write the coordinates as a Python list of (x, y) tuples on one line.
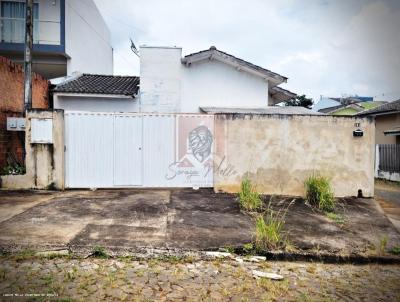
[(159, 130), (170, 83), (68, 36)]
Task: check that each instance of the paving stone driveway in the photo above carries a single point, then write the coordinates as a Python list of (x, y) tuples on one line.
[(63, 279), (184, 219)]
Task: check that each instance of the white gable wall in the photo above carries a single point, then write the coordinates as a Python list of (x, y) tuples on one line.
[(216, 84), (167, 85)]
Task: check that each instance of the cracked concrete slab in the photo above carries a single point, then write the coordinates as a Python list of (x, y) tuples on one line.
[(178, 219), (126, 218), (16, 202)]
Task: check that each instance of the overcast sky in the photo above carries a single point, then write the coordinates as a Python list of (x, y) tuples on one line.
[(324, 47)]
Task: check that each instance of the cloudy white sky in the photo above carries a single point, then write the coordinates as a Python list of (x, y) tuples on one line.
[(325, 47)]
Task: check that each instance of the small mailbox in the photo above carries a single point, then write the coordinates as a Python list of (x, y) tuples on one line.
[(15, 124), (21, 123), (42, 130), (358, 133)]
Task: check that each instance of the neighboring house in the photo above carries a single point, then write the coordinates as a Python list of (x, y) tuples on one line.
[(68, 36), (387, 122), (352, 109), (172, 84), (345, 106), (387, 139), (11, 105), (101, 93)]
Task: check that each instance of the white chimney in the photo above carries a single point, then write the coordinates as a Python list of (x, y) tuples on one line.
[(160, 79)]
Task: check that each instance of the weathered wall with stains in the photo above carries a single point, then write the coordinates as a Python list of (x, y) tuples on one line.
[(278, 152), (12, 104), (44, 162)]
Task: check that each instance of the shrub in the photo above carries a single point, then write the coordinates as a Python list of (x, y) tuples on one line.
[(319, 193), (269, 229), (249, 198), (14, 169)]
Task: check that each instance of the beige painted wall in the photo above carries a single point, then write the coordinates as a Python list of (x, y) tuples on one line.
[(386, 122), (280, 152), (44, 162)]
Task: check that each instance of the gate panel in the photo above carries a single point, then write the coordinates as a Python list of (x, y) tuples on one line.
[(89, 150), (194, 151), (150, 150), (159, 148), (127, 150)]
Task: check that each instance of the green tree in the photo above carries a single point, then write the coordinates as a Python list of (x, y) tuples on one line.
[(300, 100)]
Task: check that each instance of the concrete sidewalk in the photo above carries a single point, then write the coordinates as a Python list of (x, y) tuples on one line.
[(388, 196), (179, 219), (183, 219)]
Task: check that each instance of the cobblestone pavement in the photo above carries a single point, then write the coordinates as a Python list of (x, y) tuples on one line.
[(171, 279)]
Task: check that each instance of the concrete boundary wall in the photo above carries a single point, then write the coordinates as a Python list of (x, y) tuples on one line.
[(44, 162), (278, 153)]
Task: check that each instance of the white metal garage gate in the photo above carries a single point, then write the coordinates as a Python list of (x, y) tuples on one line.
[(104, 150)]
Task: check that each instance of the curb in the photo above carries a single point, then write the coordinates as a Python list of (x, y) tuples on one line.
[(149, 253)]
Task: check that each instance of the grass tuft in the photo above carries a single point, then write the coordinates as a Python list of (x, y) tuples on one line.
[(319, 193), (337, 218), (24, 255), (269, 229), (381, 246), (249, 198), (395, 250), (100, 252)]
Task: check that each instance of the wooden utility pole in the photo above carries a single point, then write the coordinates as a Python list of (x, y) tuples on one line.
[(28, 56)]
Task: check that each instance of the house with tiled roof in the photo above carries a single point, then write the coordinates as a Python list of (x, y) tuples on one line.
[(172, 83), (345, 105), (92, 92), (387, 122)]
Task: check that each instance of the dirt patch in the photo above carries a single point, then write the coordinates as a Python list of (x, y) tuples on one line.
[(360, 230)]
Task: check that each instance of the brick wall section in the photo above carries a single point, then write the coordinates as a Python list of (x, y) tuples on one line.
[(12, 104)]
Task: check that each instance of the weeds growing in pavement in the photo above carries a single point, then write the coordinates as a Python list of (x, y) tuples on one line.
[(249, 198), (319, 193), (335, 217), (381, 246), (100, 252), (395, 250), (269, 228)]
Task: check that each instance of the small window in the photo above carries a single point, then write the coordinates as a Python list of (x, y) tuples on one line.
[(12, 22)]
